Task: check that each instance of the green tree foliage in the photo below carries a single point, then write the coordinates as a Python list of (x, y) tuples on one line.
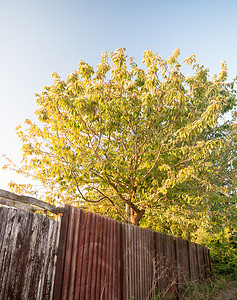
[(141, 145)]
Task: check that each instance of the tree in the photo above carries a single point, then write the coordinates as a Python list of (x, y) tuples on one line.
[(136, 143)]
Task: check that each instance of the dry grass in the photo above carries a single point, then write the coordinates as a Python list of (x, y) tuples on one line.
[(214, 288), (217, 288)]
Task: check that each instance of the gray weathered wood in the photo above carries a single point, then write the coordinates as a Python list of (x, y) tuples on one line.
[(27, 243), (30, 201), (17, 204)]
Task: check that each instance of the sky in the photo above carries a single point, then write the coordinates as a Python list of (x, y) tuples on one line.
[(39, 37)]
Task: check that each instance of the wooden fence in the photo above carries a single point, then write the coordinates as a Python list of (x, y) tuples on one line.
[(100, 258), (87, 256), (27, 244)]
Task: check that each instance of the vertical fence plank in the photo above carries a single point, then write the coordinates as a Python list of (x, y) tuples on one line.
[(124, 256), (193, 262), (183, 261), (49, 267), (81, 242), (132, 261), (57, 293), (98, 288), (39, 249), (206, 262), (86, 254), (108, 262), (137, 262), (74, 254), (117, 262), (111, 278), (200, 262), (68, 253), (7, 255), (26, 254), (104, 254), (170, 265), (177, 290), (95, 258), (91, 249), (159, 256)]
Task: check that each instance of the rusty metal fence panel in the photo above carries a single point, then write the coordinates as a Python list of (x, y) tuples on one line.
[(27, 244)]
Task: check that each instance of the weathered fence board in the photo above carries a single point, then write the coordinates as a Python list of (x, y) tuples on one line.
[(194, 270), (27, 244)]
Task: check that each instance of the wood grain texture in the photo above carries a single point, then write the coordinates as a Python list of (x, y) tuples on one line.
[(105, 259), (25, 202), (27, 243), (96, 258)]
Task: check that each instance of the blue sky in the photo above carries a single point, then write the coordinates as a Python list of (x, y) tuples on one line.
[(39, 37)]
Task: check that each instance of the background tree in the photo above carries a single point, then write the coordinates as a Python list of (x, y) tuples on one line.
[(140, 145)]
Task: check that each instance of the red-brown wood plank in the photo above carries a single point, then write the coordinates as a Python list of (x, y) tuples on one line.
[(109, 280), (170, 265), (86, 255), (96, 256), (68, 254), (206, 261), (159, 261), (116, 261), (132, 260), (177, 267), (193, 262), (74, 254), (104, 254), (101, 240), (152, 283), (183, 261), (144, 262), (124, 261), (200, 262), (139, 254), (137, 262), (81, 242), (91, 248)]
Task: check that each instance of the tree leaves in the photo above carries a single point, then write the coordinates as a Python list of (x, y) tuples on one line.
[(127, 139)]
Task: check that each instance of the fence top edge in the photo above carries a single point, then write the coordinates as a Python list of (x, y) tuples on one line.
[(28, 200)]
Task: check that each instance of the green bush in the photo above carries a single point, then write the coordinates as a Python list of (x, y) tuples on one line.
[(223, 250)]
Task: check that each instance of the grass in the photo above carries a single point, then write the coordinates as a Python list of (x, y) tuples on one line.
[(215, 288)]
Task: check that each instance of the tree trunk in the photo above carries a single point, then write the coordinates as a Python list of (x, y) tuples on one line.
[(134, 216)]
